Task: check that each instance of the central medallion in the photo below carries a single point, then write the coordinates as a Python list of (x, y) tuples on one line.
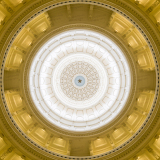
[(79, 81)]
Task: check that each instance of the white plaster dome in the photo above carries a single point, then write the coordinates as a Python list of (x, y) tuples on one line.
[(80, 80)]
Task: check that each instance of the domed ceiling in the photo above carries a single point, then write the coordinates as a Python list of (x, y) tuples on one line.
[(79, 83), (79, 80)]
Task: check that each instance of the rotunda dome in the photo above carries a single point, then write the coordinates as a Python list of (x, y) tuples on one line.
[(79, 80), (75, 80)]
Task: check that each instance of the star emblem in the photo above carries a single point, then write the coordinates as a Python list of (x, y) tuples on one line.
[(79, 81)]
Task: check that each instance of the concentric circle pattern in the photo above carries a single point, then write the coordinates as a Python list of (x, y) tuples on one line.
[(80, 80), (79, 74), (72, 67)]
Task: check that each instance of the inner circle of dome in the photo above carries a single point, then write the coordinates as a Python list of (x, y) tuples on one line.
[(83, 90), (71, 95), (114, 82)]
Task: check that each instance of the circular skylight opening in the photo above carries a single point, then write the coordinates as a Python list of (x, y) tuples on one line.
[(79, 80)]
